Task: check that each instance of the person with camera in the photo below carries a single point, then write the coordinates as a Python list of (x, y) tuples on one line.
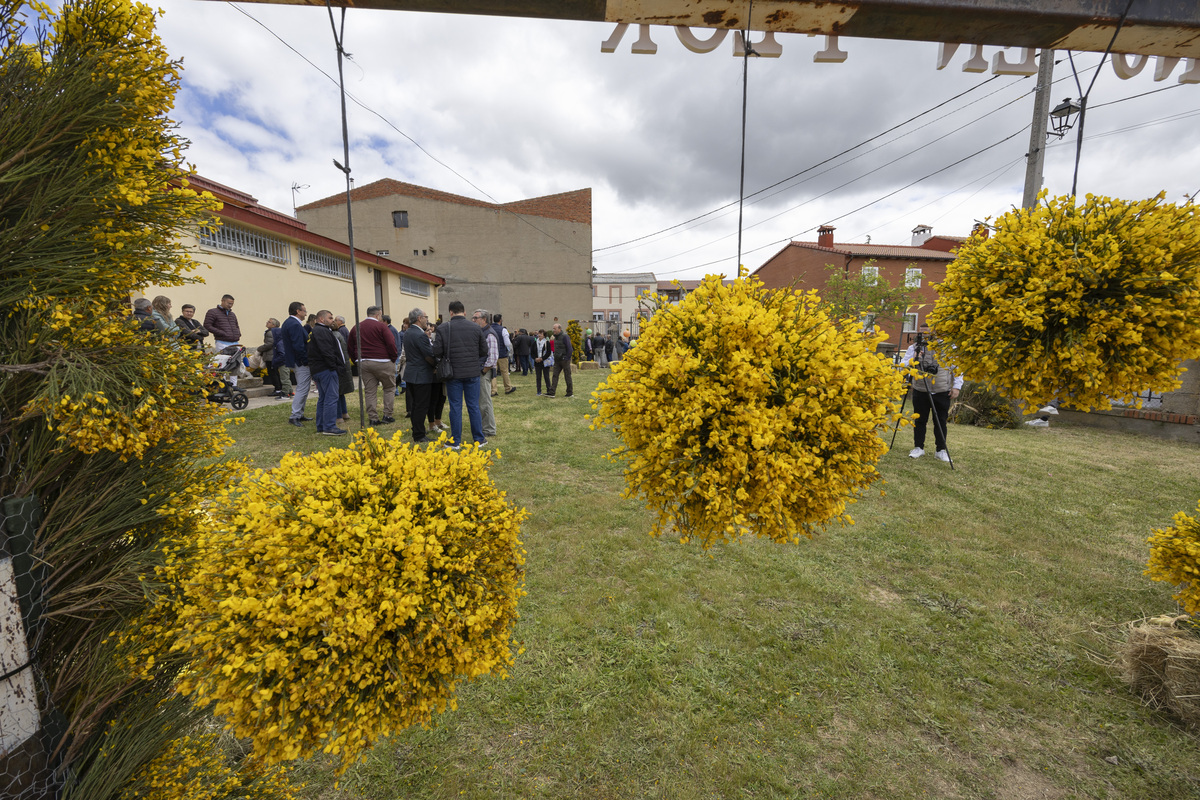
[(933, 388)]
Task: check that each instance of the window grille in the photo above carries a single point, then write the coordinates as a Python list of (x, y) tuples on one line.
[(411, 286), (597, 316), (324, 263), (912, 278), (615, 316), (245, 242)]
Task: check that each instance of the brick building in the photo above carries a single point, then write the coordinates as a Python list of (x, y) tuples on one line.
[(530, 260), (918, 265)]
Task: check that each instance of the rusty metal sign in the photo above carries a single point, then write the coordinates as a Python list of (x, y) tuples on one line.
[(1152, 27)]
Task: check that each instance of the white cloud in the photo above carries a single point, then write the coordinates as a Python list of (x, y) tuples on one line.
[(525, 107)]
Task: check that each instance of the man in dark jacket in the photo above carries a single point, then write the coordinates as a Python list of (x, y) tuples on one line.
[(521, 351), (562, 361), (295, 356), (598, 349), (462, 342), (418, 371), (191, 331), (222, 323), (326, 358), (376, 363)]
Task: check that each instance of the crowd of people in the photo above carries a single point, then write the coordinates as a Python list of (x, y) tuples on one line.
[(319, 352)]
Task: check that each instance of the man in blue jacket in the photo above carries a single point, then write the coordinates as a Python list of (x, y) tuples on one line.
[(461, 341), (295, 356)]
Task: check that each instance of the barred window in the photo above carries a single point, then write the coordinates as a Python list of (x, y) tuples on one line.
[(324, 263), (245, 242), (413, 286)]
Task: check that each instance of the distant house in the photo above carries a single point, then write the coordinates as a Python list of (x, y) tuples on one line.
[(530, 260), (674, 291), (615, 303), (266, 260), (918, 265)]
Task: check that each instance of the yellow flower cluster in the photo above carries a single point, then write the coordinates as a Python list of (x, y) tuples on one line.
[(575, 332), (197, 768), (343, 595), (152, 387), (1087, 303), (1175, 559), (743, 410)]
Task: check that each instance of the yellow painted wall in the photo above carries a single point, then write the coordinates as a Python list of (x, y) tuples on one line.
[(264, 289)]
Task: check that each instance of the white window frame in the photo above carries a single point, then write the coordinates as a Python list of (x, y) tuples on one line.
[(870, 275), (245, 242), (597, 316), (323, 263), (868, 322), (413, 286), (910, 323), (913, 277), (614, 316)]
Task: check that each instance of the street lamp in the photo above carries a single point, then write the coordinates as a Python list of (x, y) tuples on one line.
[(1062, 118)]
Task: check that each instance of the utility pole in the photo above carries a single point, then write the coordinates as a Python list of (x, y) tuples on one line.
[(1036, 156)]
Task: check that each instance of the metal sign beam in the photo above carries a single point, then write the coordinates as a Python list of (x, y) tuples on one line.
[(1153, 27)]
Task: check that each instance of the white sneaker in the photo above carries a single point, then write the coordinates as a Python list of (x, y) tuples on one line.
[(1048, 410), (942, 455), (1038, 423), (916, 452)]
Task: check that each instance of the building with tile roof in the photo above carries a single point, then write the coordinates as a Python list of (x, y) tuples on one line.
[(531, 259), (615, 301), (919, 265), (267, 259)]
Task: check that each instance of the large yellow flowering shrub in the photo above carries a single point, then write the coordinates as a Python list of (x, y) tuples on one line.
[(343, 595), (743, 410), (1175, 559), (1087, 303)]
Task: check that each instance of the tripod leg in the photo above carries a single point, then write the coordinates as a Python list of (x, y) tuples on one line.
[(896, 429), (941, 429)]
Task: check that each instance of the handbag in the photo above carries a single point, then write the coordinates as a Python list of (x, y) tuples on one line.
[(445, 370)]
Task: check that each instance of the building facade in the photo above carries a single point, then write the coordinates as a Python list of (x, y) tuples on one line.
[(616, 303), (916, 266), (531, 260), (266, 260)]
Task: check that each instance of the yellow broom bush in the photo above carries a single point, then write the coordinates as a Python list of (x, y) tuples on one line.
[(748, 411), (1175, 559), (1087, 303), (343, 595)]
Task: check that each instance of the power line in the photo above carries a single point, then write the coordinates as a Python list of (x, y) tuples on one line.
[(836, 166), (866, 205), (391, 125), (808, 169)]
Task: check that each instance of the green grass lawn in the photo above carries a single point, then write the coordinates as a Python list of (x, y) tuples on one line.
[(954, 643)]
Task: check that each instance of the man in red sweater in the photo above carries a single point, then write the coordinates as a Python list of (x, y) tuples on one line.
[(376, 357)]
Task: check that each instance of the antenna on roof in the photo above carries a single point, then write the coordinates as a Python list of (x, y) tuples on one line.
[(296, 187)]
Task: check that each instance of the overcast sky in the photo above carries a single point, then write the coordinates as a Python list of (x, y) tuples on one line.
[(520, 108)]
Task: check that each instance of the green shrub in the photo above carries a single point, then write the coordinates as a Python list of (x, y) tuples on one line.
[(983, 406)]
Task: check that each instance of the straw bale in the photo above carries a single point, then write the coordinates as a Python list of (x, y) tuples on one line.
[(1161, 663)]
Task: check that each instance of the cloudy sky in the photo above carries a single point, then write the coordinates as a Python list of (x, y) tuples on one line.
[(506, 109)]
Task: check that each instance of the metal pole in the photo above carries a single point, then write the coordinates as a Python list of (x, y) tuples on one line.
[(338, 38), (1036, 156)]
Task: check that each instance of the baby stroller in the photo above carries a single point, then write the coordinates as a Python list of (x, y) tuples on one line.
[(225, 363)]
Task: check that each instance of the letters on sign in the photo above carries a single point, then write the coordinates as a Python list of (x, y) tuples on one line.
[(1022, 62)]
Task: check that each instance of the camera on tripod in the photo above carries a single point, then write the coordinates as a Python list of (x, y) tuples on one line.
[(921, 345)]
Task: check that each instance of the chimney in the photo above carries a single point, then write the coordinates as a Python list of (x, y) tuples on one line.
[(921, 235), (825, 236), (981, 230)]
